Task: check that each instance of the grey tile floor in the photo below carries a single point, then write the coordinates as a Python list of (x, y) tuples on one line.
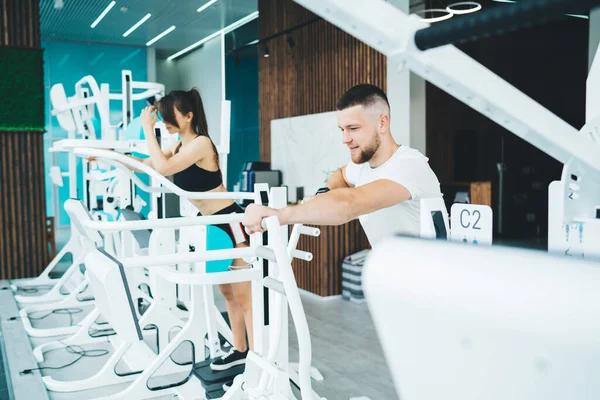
[(345, 349)]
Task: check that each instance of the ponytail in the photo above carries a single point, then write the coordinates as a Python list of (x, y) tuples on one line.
[(199, 122)]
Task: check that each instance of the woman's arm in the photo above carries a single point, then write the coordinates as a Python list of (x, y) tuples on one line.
[(193, 152), (142, 160), (168, 153)]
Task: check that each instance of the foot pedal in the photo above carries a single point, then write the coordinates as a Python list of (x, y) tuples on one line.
[(214, 391), (213, 381), (207, 376)]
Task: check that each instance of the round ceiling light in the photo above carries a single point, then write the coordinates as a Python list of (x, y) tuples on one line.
[(445, 15), (473, 7)]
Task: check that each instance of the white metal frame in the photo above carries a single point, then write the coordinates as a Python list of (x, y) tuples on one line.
[(263, 376), (471, 337), (74, 115), (271, 378), (157, 314)]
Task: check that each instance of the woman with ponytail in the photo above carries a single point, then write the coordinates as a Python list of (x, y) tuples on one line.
[(194, 163)]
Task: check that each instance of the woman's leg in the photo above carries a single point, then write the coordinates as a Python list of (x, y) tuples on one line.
[(242, 292), (236, 317), (239, 307)]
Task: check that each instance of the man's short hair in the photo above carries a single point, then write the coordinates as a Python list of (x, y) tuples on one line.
[(364, 95)]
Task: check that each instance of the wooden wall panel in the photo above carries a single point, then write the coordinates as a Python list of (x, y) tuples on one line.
[(310, 77), (20, 23), (481, 193), (323, 275), (23, 247)]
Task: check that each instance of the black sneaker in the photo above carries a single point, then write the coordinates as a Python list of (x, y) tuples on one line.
[(230, 360)]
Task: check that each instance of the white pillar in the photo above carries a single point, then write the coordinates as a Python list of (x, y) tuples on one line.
[(593, 81), (418, 113), (151, 64), (406, 94), (594, 34)]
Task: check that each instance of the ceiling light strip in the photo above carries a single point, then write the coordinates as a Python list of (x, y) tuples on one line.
[(204, 7), (225, 30), (106, 10), (160, 36), (193, 46), (241, 22), (137, 25), (578, 16)]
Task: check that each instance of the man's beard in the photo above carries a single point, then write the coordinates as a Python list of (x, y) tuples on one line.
[(367, 153)]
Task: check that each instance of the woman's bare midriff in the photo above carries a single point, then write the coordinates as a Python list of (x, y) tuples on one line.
[(209, 207)]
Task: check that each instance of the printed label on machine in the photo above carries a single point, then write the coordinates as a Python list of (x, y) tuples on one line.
[(471, 223), (573, 243)]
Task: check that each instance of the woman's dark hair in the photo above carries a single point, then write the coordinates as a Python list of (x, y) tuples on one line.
[(186, 102)]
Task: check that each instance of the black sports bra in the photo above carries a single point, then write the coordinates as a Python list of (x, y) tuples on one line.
[(196, 179)]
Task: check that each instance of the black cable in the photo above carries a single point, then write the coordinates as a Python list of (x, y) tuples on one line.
[(73, 349), (102, 332), (68, 311), (59, 311), (498, 20)]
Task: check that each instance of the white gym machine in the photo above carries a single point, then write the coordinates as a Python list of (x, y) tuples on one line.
[(267, 373), (409, 42), (268, 368), (470, 323), (114, 194), (74, 115)]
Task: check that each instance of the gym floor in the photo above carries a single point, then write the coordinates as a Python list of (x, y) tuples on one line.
[(345, 347), (346, 350)]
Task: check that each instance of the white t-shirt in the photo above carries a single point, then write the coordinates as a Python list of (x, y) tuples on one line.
[(411, 169)]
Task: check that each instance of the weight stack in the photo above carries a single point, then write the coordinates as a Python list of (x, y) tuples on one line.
[(352, 267)]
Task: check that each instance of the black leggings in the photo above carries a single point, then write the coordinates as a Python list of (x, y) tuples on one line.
[(235, 230)]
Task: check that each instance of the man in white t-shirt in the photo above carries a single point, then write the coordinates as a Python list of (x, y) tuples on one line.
[(382, 185)]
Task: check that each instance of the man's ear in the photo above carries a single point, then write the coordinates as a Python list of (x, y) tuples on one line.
[(384, 123)]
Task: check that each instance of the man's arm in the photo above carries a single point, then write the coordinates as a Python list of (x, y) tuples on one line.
[(333, 208), (338, 180)]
